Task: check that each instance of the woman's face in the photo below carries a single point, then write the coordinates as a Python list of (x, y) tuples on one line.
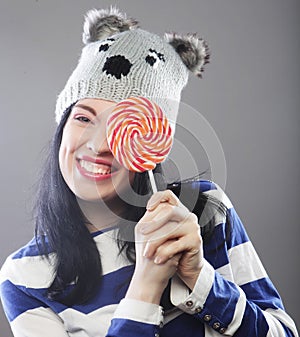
[(85, 160)]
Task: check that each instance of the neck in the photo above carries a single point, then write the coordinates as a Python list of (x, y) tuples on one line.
[(101, 215)]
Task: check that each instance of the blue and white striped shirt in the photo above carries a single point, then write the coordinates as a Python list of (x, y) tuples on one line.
[(233, 294)]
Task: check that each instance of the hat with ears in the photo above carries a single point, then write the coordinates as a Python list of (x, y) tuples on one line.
[(120, 60)]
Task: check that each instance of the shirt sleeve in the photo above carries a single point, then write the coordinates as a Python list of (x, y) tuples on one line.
[(235, 296), (136, 318), (30, 317), (36, 321)]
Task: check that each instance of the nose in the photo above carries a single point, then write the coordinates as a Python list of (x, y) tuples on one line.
[(97, 141), (117, 66)]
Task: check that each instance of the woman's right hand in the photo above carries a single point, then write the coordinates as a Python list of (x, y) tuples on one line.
[(167, 240), (150, 279)]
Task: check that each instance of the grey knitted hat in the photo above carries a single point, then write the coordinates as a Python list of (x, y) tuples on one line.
[(120, 60)]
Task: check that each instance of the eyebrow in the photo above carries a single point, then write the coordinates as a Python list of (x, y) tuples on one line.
[(86, 107)]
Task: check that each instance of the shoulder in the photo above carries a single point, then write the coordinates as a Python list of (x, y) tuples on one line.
[(192, 188), (238, 233), (29, 249), (213, 190), (227, 218), (26, 267)]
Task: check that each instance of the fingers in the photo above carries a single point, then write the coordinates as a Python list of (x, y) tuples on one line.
[(154, 240), (160, 197), (162, 214), (167, 229), (186, 233), (172, 260), (174, 248), (162, 207)]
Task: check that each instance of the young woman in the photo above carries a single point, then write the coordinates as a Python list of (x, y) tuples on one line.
[(104, 262)]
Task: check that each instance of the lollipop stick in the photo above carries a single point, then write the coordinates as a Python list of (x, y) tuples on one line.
[(152, 181)]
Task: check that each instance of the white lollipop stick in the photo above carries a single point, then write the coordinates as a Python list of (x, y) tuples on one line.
[(152, 181)]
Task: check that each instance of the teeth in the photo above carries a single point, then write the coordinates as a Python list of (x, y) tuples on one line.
[(94, 168)]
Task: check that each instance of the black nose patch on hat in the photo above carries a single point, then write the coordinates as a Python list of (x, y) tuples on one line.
[(116, 66)]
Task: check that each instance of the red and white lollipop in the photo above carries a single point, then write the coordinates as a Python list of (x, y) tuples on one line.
[(139, 135)]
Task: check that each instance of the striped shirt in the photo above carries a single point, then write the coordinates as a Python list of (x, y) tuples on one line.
[(232, 296)]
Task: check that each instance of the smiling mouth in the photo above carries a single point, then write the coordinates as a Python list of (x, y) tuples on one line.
[(94, 168)]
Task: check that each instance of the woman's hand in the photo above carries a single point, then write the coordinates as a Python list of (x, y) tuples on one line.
[(150, 278), (168, 240), (171, 229)]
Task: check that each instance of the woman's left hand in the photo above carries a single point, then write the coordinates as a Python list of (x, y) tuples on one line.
[(172, 229)]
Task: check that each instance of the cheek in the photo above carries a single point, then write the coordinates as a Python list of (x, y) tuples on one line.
[(62, 158), (66, 154), (63, 163)]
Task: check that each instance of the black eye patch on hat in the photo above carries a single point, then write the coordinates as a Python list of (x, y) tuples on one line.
[(154, 57)]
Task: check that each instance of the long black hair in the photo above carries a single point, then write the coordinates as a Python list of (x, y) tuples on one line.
[(60, 226)]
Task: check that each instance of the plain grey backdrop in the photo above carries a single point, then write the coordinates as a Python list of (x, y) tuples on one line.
[(249, 95)]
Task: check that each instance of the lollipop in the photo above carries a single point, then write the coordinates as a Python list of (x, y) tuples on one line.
[(139, 135)]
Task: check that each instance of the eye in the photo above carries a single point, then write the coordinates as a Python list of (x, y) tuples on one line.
[(106, 44), (82, 119), (151, 60), (154, 58)]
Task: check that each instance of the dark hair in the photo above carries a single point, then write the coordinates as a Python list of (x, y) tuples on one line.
[(60, 226)]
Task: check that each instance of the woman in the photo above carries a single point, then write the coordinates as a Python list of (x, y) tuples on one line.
[(104, 264)]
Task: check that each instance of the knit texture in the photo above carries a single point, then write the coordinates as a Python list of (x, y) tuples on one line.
[(130, 63)]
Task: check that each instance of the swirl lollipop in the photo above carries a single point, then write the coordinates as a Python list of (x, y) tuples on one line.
[(139, 135)]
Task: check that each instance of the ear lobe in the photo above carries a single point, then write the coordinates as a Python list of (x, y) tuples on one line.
[(100, 24), (192, 50)]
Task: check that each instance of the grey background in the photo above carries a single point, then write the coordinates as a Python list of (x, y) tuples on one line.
[(249, 95)]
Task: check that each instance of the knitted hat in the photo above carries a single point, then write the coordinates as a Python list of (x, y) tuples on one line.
[(120, 60)]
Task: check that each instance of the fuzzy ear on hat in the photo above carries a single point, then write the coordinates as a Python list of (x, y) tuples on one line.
[(100, 24), (192, 50)]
